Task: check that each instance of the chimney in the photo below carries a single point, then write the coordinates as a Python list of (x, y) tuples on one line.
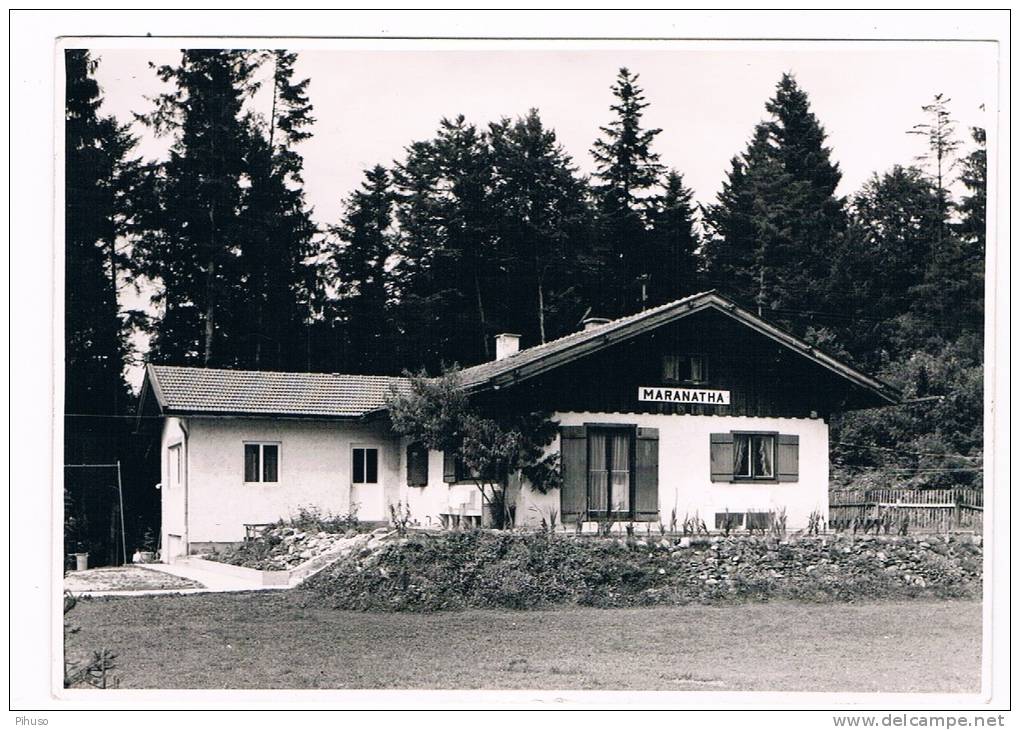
[(592, 322), (507, 345)]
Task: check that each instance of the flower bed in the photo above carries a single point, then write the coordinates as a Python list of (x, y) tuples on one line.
[(516, 570)]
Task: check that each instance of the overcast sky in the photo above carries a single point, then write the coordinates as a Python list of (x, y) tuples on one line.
[(706, 97)]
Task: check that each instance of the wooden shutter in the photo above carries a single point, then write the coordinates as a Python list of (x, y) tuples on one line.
[(787, 457), (417, 465), (646, 474), (449, 467), (721, 445), (574, 469)]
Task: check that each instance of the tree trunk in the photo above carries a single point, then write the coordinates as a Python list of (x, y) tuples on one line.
[(481, 318), (541, 313), (210, 311)]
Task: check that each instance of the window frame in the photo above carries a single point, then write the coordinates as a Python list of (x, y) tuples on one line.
[(262, 461), (689, 358), (631, 431), (750, 435), (365, 448)]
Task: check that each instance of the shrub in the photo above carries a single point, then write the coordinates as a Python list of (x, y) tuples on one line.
[(485, 569)]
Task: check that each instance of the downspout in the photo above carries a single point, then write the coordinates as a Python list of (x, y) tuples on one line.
[(187, 484)]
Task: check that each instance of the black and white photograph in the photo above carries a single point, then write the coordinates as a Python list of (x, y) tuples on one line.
[(627, 370)]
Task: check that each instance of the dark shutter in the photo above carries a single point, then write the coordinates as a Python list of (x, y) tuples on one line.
[(787, 457), (721, 456), (449, 467), (417, 465), (646, 474), (574, 468)]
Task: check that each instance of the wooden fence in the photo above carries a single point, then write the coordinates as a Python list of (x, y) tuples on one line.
[(893, 510)]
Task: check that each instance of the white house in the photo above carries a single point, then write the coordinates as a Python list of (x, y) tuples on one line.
[(693, 408)]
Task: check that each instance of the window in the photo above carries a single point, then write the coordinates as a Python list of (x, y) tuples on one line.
[(365, 466), (417, 465), (741, 456), (175, 466), (455, 471), (609, 471), (684, 368), (754, 456), (261, 463)]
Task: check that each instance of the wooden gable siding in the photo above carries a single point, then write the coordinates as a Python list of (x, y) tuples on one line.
[(764, 378)]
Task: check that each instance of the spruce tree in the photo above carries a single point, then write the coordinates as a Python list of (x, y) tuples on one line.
[(193, 241), (276, 227), (445, 248), (779, 202), (95, 170), (672, 259), (542, 226), (359, 269), (627, 171)]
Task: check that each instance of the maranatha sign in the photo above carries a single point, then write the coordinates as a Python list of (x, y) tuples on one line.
[(685, 395)]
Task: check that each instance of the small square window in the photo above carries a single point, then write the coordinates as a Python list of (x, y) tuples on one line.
[(365, 465), (261, 463), (754, 456), (684, 368)]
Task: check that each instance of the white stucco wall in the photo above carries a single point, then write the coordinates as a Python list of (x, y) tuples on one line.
[(685, 473), (314, 470)]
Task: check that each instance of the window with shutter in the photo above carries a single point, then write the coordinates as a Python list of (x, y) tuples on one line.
[(743, 456)]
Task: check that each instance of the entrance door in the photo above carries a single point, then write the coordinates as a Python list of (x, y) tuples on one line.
[(609, 472)]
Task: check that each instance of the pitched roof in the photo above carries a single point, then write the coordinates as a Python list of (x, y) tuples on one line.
[(223, 392), (535, 360), (255, 392)]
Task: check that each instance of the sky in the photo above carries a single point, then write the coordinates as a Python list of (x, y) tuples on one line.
[(706, 97), (371, 103)]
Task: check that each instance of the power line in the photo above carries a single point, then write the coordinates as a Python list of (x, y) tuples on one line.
[(903, 451)]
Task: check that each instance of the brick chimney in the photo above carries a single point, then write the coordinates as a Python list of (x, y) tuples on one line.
[(507, 345), (592, 322)]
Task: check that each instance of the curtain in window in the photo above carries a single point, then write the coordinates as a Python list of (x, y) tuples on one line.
[(598, 472), (763, 457), (620, 476), (741, 467)]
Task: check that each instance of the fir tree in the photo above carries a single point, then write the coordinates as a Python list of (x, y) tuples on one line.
[(359, 261), (627, 171), (97, 172), (778, 220), (193, 241), (445, 247), (276, 227), (542, 225), (673, 256)]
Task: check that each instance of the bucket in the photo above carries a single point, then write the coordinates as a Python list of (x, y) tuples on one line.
[(81, 561)]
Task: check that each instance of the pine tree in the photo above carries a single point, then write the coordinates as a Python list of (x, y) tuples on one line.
[(778, 220), (193, 243), (939, 132), (95, 170), (359, 266), (627, 171), (974, 176), (673, 256), (276, 227), (542, 225)]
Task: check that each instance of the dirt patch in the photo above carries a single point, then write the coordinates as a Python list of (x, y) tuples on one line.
[(125, 578)]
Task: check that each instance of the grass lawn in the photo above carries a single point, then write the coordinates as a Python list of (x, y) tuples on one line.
[(282, 640)]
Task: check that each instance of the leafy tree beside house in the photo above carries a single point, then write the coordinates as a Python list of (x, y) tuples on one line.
[(496, 446)]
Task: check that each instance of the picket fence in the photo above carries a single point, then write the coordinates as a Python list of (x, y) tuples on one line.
[(923, 509)]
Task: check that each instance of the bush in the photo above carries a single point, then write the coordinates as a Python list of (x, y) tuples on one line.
[(481, 569)]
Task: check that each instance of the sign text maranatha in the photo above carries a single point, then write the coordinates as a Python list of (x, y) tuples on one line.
[(685, 395)]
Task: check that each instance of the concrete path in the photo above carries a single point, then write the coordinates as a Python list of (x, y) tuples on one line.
[(210, 581)]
